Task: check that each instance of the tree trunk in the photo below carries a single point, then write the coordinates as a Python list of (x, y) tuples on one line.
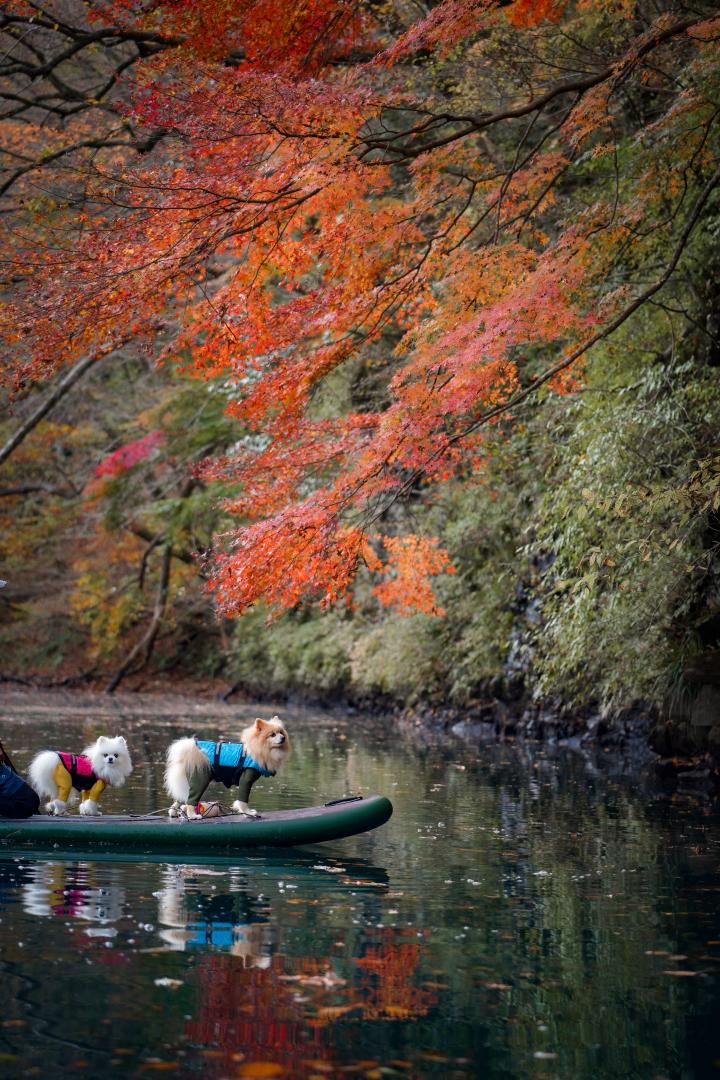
[(147, 643)]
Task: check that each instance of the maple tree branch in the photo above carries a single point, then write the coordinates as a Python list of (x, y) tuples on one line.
[(476, 124), (82, 38), (145, 534), (29, 489), (64, 386), (86, 144), (46, 69)]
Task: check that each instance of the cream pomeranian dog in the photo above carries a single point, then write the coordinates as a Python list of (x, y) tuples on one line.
[(61, 777), (192, 763)]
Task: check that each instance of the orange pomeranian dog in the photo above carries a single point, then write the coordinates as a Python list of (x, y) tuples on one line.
[(193, 763)]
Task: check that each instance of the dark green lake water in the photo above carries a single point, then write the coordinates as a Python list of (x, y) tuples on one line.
[(523, 914)]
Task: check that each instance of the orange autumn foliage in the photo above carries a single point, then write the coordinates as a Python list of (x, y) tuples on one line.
[(275, 193), (412, 561)]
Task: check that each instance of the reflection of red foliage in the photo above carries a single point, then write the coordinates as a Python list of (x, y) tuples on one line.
[(252, 1011), (129, 454), (387, 990), (255, 1012)]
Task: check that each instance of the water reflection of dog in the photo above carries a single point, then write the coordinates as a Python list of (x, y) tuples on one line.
[(70, 890), (232, 922), (241, 923)]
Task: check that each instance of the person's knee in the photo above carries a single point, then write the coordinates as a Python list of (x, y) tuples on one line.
[(30, 801), (17, 799)]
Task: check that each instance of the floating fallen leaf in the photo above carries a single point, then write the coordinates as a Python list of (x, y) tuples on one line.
[(172, 984), (258, 1070), (544, 1055), (328, 979), (332, 1012), (681, 974)]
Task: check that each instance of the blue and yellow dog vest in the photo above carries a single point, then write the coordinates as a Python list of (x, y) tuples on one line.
[(228, 761)]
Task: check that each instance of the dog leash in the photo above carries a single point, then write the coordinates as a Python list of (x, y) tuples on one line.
[(208, 812)]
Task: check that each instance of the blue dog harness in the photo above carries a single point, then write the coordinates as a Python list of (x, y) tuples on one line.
[(228, 761)]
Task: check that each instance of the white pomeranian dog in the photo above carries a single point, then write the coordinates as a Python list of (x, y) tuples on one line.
[(192, 763), (62, 777)]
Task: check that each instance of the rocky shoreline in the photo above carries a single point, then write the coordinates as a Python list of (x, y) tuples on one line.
[(635, 740)]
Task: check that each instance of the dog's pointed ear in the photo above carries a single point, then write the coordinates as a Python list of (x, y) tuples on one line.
[(275, 719), (101, 741), (259, 724), (119, 738)]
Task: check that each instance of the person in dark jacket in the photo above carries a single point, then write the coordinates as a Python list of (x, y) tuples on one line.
[(17, 798)]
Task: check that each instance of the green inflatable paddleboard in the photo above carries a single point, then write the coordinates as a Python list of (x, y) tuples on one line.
[(275, 828)]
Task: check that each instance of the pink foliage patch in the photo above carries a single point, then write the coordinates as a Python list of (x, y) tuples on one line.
[(129, 454)]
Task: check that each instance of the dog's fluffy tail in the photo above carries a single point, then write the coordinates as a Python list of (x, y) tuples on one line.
[(184, 759), (42, 774)]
